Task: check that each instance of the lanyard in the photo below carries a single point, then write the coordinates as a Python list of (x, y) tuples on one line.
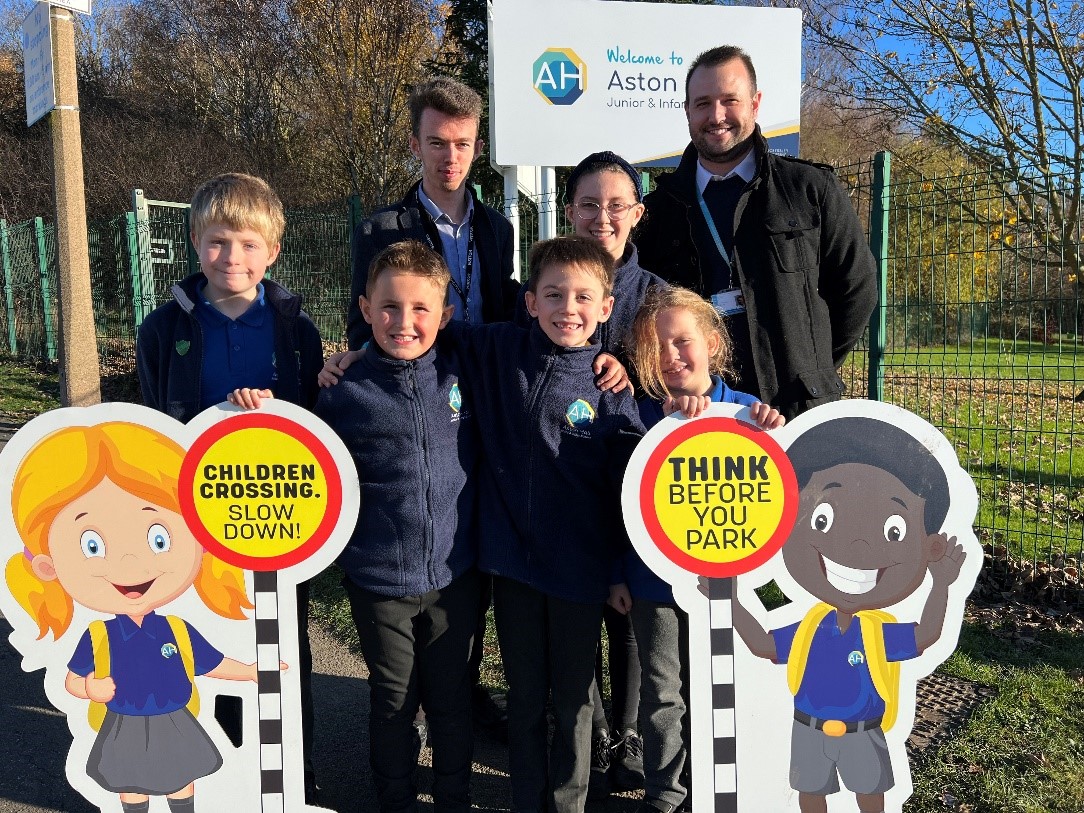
[(468, 270), (715, 236)]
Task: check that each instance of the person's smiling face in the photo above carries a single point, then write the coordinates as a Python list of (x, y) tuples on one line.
[(721, 110), (115, 552), (406, 311), (569, 302)]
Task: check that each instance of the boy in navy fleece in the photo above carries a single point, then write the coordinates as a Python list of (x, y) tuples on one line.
[(555, 454), (231, 333), (410, 576)]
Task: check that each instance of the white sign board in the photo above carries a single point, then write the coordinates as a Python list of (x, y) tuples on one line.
[(571, 77), (38, 64), (74, 5)]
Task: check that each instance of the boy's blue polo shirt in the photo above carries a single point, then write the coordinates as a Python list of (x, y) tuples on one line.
[(837, 684), (236, 352), (146, 665)]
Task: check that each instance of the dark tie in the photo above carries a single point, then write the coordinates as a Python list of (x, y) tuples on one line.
[(721, 196)]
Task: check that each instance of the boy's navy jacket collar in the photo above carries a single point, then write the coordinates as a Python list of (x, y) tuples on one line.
[(187, 294), (380, 363), (544, 345)]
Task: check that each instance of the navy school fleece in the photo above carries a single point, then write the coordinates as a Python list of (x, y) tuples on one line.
[(413, 440), (169, 351), (555, 451)]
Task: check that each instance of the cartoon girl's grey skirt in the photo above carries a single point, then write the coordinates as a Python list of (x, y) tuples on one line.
[(154, 755)]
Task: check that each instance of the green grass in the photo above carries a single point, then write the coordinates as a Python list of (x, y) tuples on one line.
[(1022, 751), (26, 391)]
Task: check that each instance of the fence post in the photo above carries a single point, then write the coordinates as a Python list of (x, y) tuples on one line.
[(131, 228), (141, 211), (46, 290), (645, 182), (880, 199), (9, 293)]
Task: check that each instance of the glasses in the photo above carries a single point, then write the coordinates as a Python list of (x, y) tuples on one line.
[(588, 210)]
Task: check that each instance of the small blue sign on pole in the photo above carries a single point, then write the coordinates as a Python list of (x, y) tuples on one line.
[(38, 64)]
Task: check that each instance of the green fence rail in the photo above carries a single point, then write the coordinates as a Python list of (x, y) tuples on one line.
[(979, 330)]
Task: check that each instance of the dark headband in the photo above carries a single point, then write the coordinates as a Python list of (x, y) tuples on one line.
[(596, 161)]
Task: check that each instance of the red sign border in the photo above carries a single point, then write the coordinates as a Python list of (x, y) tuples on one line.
[(650, 515), (254, 420)]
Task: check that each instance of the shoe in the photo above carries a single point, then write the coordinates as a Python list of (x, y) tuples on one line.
[(598, 785), (627, 772), (421, 735)]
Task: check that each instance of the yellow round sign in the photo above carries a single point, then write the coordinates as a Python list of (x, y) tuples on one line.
[(261, 492), (718, 497)]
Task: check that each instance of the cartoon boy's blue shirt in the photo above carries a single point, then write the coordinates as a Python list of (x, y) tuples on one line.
[(837, 684), (146, 664)]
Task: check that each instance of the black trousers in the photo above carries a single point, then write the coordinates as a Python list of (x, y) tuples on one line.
[(548, 647), (417, 649)]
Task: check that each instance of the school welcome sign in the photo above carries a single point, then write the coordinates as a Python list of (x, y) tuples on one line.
[(571, 77)]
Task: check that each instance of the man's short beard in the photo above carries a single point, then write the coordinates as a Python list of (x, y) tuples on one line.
[(735, 152)]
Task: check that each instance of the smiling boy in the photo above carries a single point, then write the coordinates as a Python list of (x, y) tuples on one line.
[(402, 412), (872, 502), (555, 454), (229, 332)]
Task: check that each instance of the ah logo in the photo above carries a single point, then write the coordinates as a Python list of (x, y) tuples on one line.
[(856, 658), (169, 650), (455, 398), (579, 413), (559, 76)]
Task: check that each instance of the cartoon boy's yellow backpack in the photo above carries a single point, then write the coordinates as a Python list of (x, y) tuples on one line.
[(99, 644)]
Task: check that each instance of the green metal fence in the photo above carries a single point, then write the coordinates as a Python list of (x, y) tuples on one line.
[(979, 330)]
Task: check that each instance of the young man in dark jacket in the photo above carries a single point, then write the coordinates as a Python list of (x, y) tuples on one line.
[(442, 212), (774, 242)]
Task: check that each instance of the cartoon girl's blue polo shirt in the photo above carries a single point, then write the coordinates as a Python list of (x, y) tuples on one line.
[(146, 664), (837, 684)]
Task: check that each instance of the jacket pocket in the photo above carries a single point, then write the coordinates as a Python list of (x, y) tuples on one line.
[(816, 387), (795, 240)]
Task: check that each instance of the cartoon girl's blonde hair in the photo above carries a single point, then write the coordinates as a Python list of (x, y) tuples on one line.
[(644, 338), (68, 463)]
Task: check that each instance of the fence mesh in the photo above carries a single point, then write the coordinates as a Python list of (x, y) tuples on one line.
[(982, 304)]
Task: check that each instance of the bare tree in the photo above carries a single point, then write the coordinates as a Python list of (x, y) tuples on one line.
[(1001, 84)]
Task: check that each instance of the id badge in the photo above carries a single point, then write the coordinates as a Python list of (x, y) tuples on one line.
[(729, 302)]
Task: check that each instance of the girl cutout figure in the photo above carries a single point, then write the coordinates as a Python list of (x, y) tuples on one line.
[(97, 510)]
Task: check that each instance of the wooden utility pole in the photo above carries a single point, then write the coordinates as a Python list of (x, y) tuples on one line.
[(80, 379)]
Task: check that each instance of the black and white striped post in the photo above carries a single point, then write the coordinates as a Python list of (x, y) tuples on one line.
[(269, 689), (723, 718)]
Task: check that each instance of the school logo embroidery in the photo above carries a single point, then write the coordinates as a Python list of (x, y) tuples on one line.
[(579, 413), (182, 347), (856, 658), (169, 650), (559, 76), (455, 398)]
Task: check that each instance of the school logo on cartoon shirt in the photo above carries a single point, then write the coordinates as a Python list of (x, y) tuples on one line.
[(169, 650)]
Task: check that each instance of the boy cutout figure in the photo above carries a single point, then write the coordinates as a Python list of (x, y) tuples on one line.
[(873, 503)]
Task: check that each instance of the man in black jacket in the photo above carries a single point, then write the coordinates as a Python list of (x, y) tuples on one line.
[(773, 241), (442, 212)]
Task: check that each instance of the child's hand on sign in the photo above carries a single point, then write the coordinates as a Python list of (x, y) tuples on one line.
[(765, 416), (691, 406), (248, 398)]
